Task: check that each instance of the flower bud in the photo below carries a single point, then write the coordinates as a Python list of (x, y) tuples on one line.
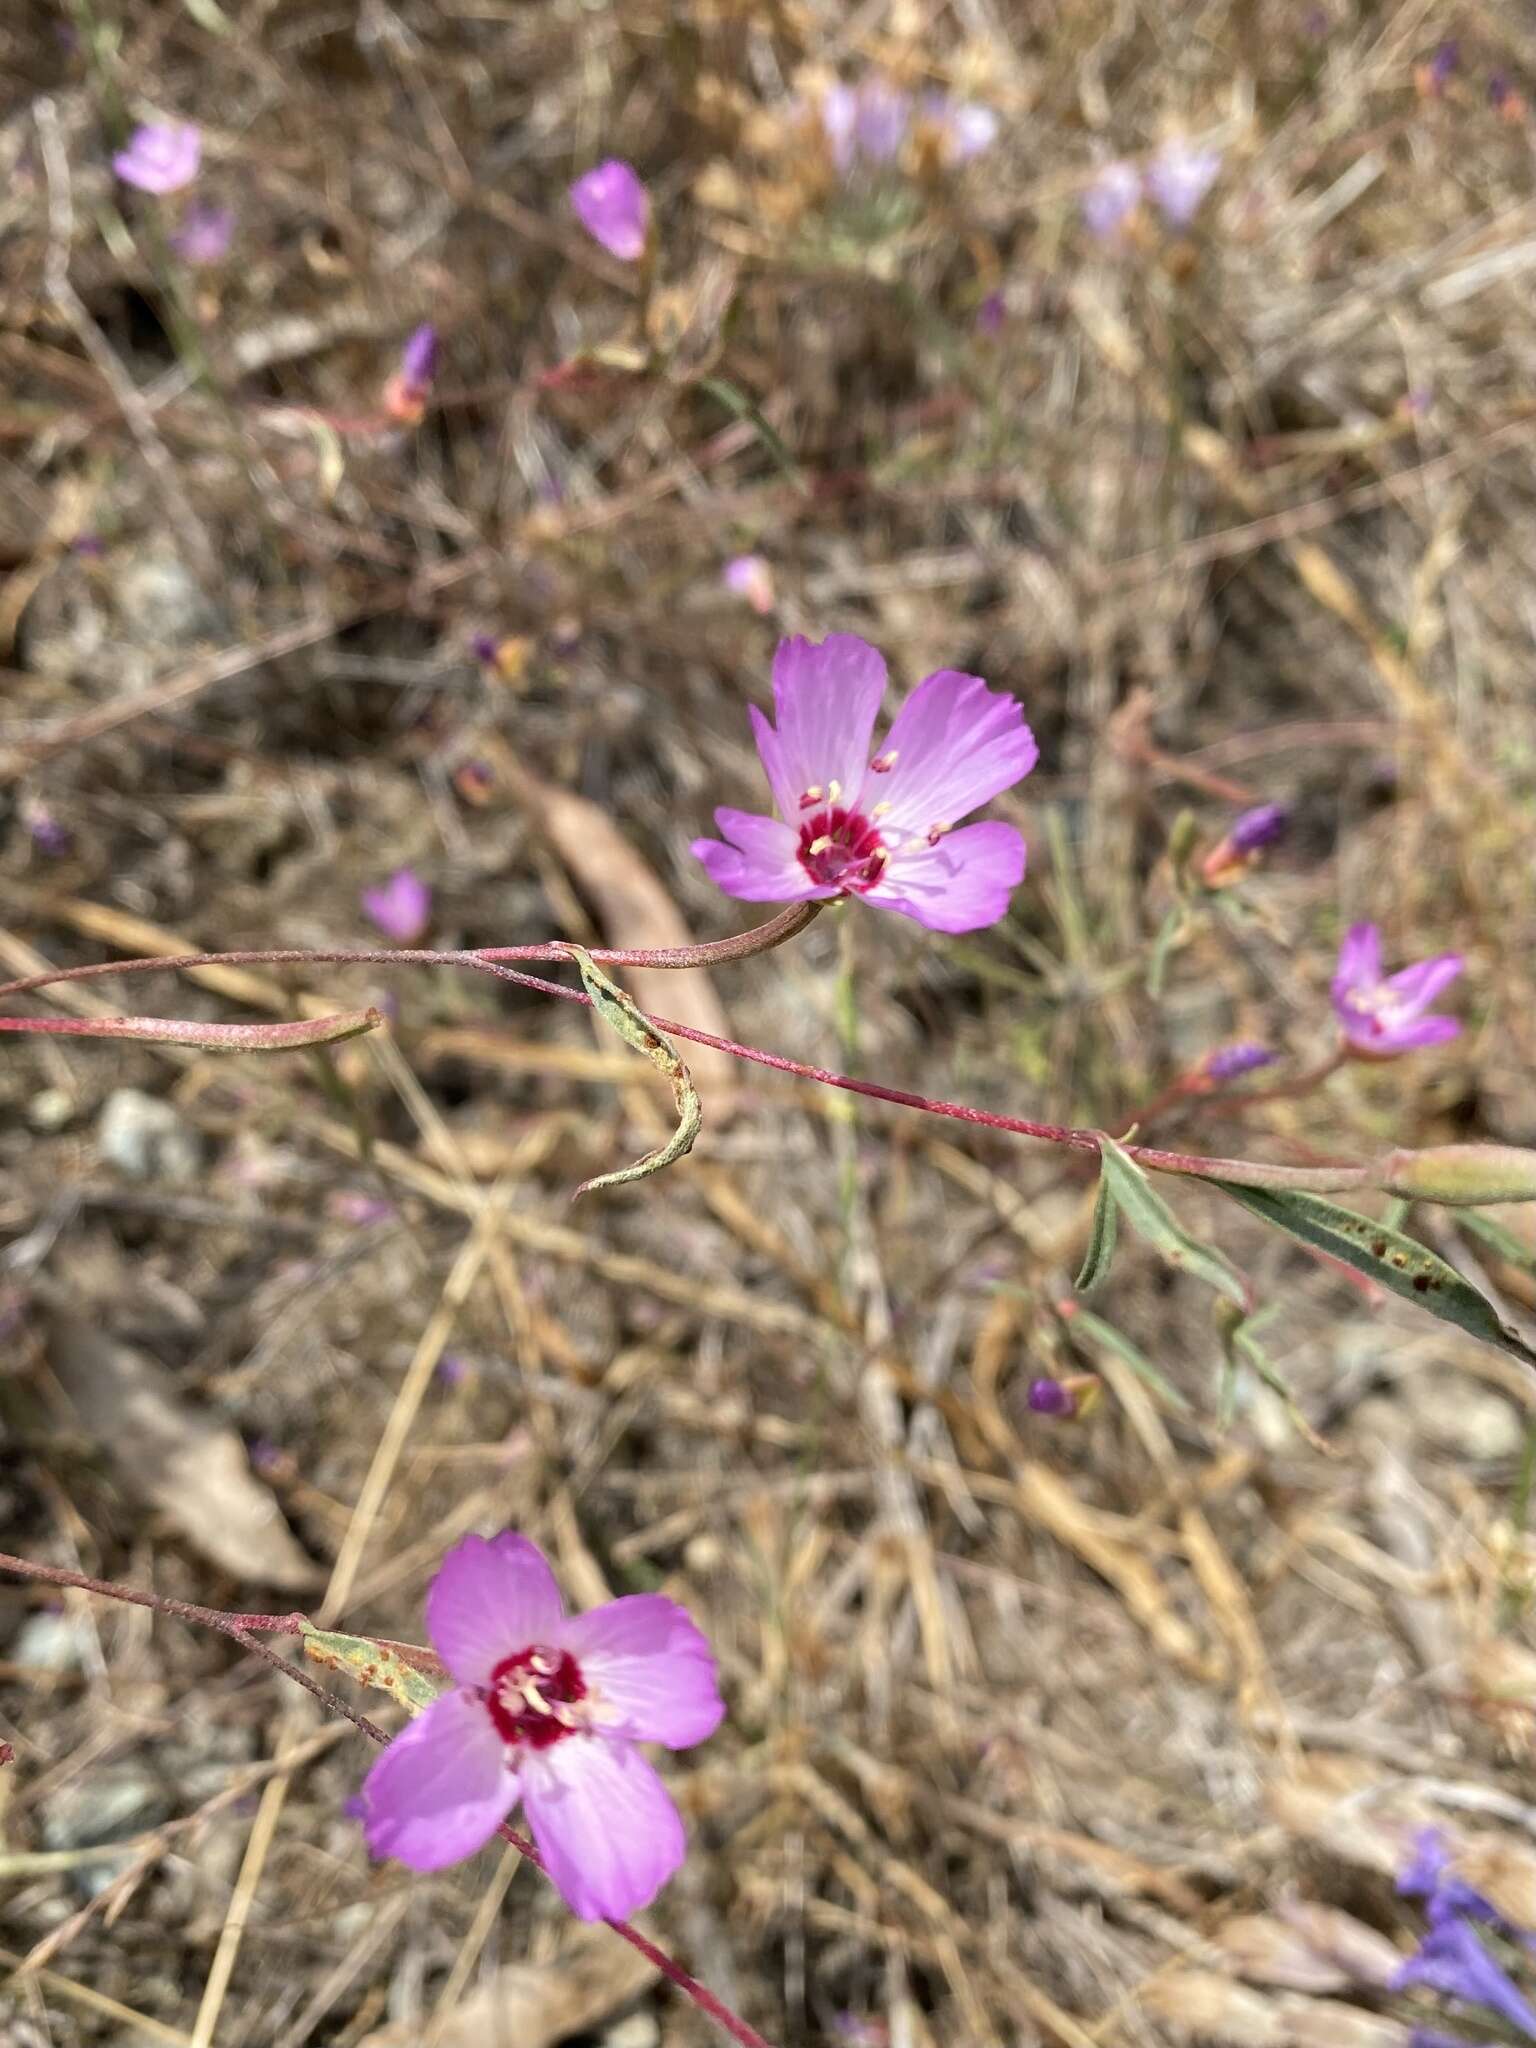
[(1460, 1176)]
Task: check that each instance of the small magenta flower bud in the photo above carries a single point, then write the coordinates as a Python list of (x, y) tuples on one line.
[(1460, 1176), (614, 208), (1065, 1399), (1228, 1062), (1245, 839)]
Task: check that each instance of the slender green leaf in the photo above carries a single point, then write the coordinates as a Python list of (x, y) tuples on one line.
[(1101, 1239), (1398, 1263), (745, 408), (1150, 1217), (1500, 1241), (1169, 933), (371, 1663), (1243, 1346), (1086, 1324), (636, 1029)]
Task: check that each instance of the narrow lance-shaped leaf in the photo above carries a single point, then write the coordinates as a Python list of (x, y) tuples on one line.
[(1150, 1217), (294, 1037), (1400, 1264), (1085, 1324), (1503, 1243), (1239, 1336), (1101, 1239), (636, 1029), (370, 1663)]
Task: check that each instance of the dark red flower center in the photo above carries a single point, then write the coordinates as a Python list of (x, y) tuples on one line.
[(532, 1696), (841, 850)]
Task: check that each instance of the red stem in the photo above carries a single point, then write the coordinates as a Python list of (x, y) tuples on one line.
[(489, 962), (238, 1626)]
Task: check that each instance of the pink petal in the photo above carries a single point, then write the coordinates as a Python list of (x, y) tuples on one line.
[(825, 696), (651, 1669), (1423, 1031), (490, 1599), (1359, 959), (604, 1823), (955, 744), (441, 1789), (959, 885), (1418, 986), (760, 864)]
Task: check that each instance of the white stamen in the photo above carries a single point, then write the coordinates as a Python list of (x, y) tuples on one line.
[(810, 796)]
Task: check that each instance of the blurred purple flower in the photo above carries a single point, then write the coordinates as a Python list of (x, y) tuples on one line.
[(866, 122), (612, 206), (408, 389), (1428, 1876), (1384, 1016), (351, 1205), (1110, 200), (453, 1369), (1051, 1397), (483, 647), (205, 234), (90, 546), (965, 128), (1444, 64), (1260, 827), (48, 835), (750, 576), (548, 1708), (1243, 841), (1499, 90), (160, 157), (1178, 178), (401, 908), (1228, 1062), (992, 314), (1453, 1960), (878, 828)]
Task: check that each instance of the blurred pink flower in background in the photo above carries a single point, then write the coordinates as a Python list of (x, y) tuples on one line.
[(1178, 178), (1110, 200), (400, 908), (612, 206), (548, 1708), (407, 391), (750, 576), (160, 156), (1384, 1016), (205, 234), (879, 828)]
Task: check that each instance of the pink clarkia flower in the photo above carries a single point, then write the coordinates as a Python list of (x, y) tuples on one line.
[(1384, 1016), (749, 576), (1178, 178), (612, 206), (546, 1708), (161, 156), (879, 828), (400, 907)]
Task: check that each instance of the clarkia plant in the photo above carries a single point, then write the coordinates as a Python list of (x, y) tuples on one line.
[(546, 1708), (878, 825)]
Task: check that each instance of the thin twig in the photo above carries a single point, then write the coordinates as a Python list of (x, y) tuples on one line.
[(130, 400)]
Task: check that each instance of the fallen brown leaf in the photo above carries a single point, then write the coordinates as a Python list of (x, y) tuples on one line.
[(175, 1457)]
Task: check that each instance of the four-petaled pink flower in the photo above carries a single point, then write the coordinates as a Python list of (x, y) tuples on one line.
[(546, 1707), (612, 206), (1383, 1016), (879, 828), (400, 907), (161, 156)]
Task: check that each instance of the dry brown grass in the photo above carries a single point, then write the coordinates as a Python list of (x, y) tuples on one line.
[(1036, 1730)]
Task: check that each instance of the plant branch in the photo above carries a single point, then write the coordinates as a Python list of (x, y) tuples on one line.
[(238, 1628), (1249, 1173)]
